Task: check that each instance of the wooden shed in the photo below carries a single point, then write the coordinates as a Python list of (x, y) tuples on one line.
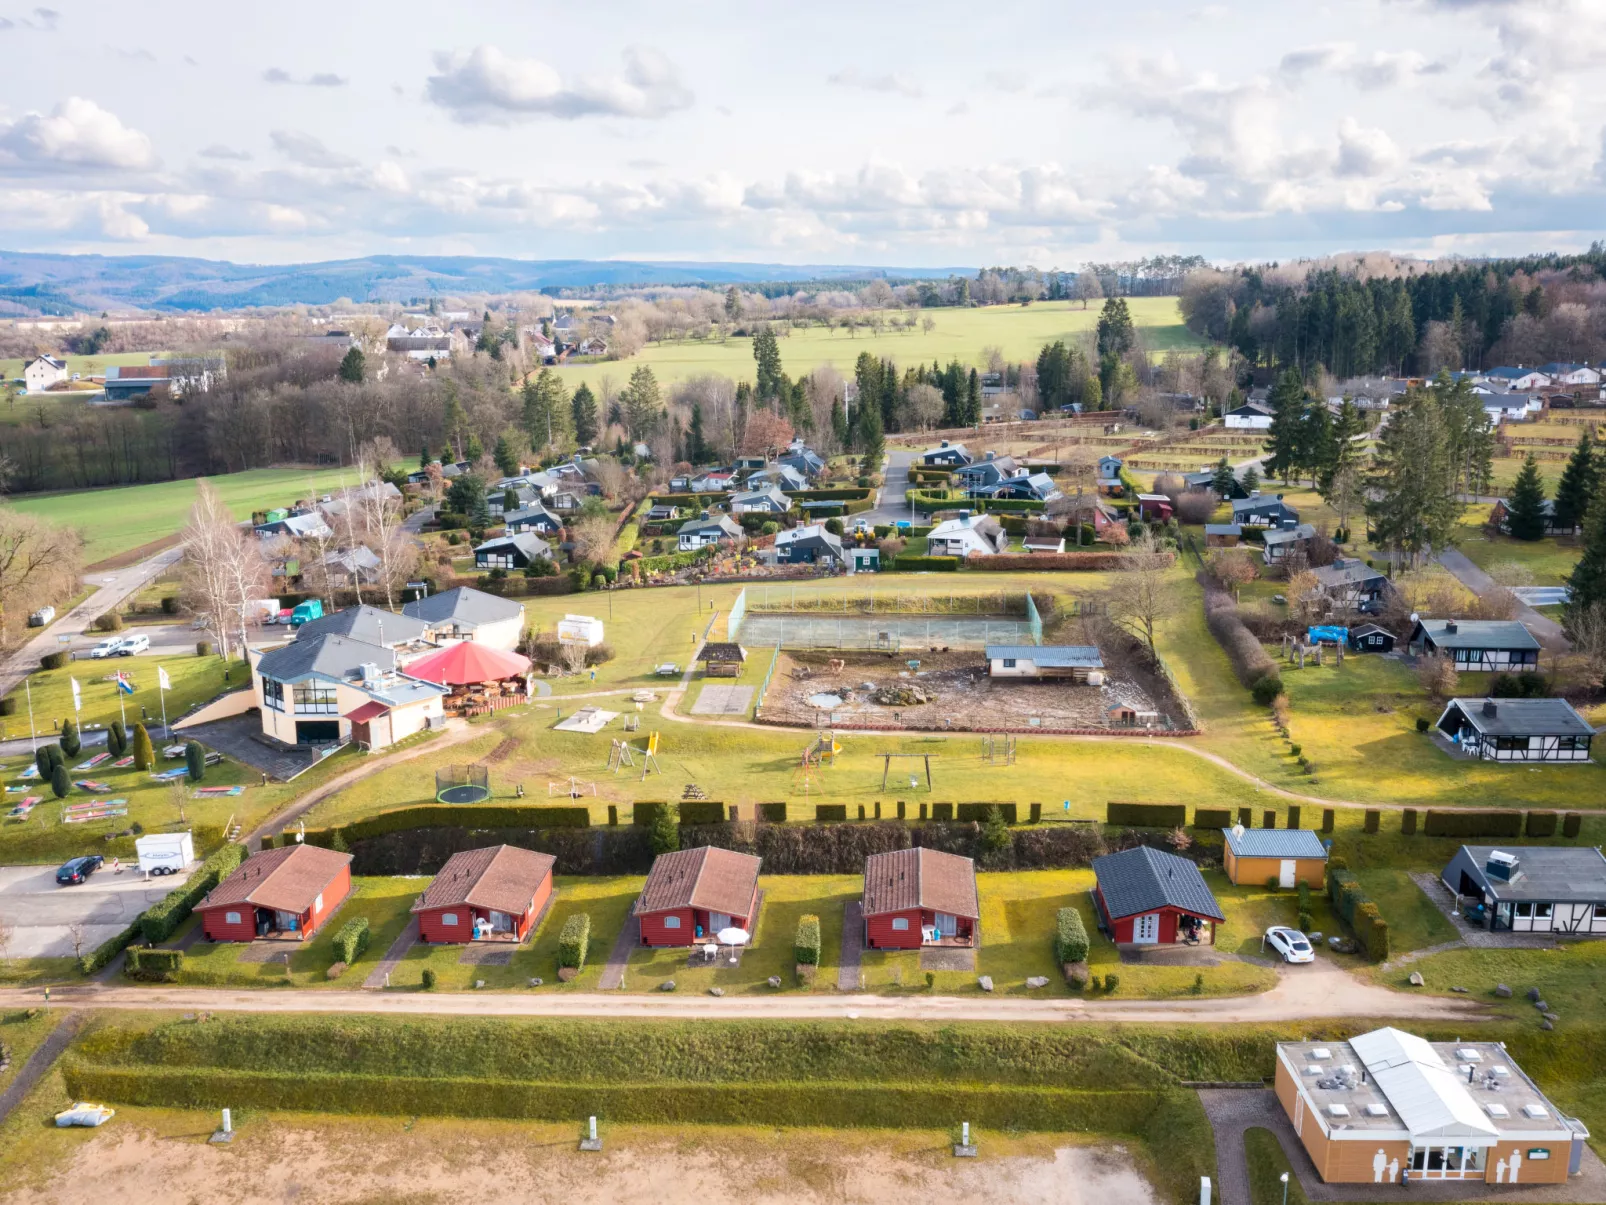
[(722, 659), (1286, 856)]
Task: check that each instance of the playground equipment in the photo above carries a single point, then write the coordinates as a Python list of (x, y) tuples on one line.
[(886, 767), (998, 750), (823, 749), (462, 784), (620, 755), (574, 788)]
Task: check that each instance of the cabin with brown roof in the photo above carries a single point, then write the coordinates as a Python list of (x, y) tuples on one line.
[(494, 894), (919, 897), (691, 894), (722, 659), (284, 894)]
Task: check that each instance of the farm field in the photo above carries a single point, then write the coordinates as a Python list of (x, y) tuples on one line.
[(122, 518), (55, 406), (1019, 331)]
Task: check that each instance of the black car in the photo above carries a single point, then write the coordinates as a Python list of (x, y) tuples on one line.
[(79, 869)]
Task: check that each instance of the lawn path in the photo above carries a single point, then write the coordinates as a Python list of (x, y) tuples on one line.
[(393, 956), (40, 1062), (613, 971), (1305, 993), (457, 732), (847, 970)]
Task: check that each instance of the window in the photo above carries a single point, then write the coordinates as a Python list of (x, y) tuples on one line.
[(1525, 910), (448, 918), (1600, 912), (900, 924), (671, 922), (1009, 663), (317, 902), (231, 918), (1538, 1152), (1542, 911), (273, 694), (316, 698)]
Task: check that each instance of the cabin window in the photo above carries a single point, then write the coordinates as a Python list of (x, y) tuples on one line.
[(671, 922), (1600, 911), (900, 924), (448, 918), (1542, 911), (1525, 911), (1009, 663), (273, 694), (231, 918), (1538, 1152)]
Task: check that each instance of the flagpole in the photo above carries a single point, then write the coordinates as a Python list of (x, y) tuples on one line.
[(161, 689), (32, 742), (122, 710)]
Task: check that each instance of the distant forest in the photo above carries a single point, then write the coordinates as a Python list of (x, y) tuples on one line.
[(1373, 315)]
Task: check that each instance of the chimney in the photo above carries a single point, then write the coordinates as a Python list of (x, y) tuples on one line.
[(991, 454), (1450, 627), (1491, 708), (944, 444)]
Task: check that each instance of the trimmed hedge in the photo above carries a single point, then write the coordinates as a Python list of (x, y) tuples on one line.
[(1360, 913), (1327, 820), (926, 564), (109, 949), (1572, 824), (352, 940), (702, 811), (154, 966), (56, 660), (830, 813), (1212, 818), (1408, 822), (806, 942), (162, 919), (454, 815), (1070, 936), (1147, 815), (643, 815), (574, 942), (1065, 561), (1472, 824), (1374, 817), (1293, 815), (772, 813), (979, 811), (943, 812), (1541, 824)]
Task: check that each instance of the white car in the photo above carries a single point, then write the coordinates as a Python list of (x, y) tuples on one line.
[(107, 648), (1291, 944), (134, 644)]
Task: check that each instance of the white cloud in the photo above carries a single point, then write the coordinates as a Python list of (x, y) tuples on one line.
[(852, 77), (1296, 64), (77, 133), (1389, 69), (319, 79), (1365, 152), (307, 151), (218, 151), (42, 20), (486, 85)]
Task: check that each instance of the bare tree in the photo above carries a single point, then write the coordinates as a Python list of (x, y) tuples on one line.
[(1143, 593), (592, 536), (610, 475), (76, 934), (1587, 628), (210, 544), (382, 525), (1232, 567), (7, 933), (178, 794), (40, 563)]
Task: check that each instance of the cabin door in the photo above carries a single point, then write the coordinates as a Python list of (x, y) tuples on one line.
[(1286, 873), (1146, 929), (718, 921)]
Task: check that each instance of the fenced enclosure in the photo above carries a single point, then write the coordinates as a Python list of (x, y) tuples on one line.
[(781, 616), (462, 784)]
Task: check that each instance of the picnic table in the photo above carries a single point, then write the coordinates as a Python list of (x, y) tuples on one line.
[(667, 670)]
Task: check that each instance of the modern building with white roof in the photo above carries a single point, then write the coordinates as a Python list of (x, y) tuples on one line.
[(1387, 1105)]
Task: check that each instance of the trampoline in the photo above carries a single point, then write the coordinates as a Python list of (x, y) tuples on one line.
[(462, 784)]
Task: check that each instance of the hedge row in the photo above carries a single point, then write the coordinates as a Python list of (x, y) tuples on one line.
[(1358, 912), (772, 813), (154, 966), (806, 944), (925, 564), (1070, 936), (351, 940), (162, 919), (1146, 815), (574, 942), (830, 813), (109, 949), (442, 815), (1085, 561), (814, 1103), (1212, 817), (1473, 824), (979, 812), (702, 811)]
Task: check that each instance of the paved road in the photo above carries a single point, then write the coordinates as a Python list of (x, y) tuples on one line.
[(112, 589), (891, 504), (41, 914), (1307, 993), (1480, 583)]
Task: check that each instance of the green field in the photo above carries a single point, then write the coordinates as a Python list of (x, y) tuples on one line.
[(121, 519), (1018, 331), (28, 407), (195, 680)]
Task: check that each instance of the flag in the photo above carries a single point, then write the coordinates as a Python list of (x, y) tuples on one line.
[(125, 683), (162, 680), (77, 698)]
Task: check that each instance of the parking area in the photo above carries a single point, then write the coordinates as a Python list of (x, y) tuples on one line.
[(42, 915)]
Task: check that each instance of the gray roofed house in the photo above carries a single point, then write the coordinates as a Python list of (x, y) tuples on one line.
[(368, 624), (519, 550), (989, 471), (1531, 888), (297, 527), (1274, 843), (1281, 542), (354, 565), (808, 545), (1028, 487), (945, 455), (1477, 644), (330, 655), (534, 517), (699, 533), (1349, 581), (1145, 896), (1517, 730), (468, 614), (782, 475), (767, 499), (1263, 510)]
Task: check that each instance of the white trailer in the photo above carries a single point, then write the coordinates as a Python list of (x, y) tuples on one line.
[(164, 853), (580, 629), (262, 610)]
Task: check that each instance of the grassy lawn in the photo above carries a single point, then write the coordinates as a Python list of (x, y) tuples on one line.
[(384, 901), (1020, 331), (1548, 561), (119, 519), (22, 1034), (1571, 978), (1267, 1163), (195, 680)]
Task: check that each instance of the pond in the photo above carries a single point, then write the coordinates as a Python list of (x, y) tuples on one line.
[(825, 701)]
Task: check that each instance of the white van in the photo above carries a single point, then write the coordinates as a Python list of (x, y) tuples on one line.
[(164, 853), (134, 644)]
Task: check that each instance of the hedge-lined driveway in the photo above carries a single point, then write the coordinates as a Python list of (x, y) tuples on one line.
[(42, 914)]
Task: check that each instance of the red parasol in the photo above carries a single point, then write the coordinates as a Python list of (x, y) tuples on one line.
[(465, 663)]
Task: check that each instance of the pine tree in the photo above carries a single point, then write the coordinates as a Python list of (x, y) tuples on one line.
[(144, 755), (839, 424), (642, 401), (583, 407), (1525, 509), (70, 743), (1115, 331), (1412, 500), (973, 399), (872, 440), (1586, 585), (1223, 481), (696, 449), (423, 455), (545, 415), (767, 356), (474, 449), (733, 303), (1251, 479), (194, 761), (664, 834), (353, 366), (506, 456), (60, 784), (1316, 447), (1284, 439), (1579, 484), (117, 738)]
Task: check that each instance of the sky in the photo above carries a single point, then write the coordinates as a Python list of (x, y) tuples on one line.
[(913, 134)]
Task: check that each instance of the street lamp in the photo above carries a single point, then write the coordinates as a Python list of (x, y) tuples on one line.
[(1284, 1179)]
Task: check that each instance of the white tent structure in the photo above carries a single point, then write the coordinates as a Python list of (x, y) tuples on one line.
[(1431, 1099)]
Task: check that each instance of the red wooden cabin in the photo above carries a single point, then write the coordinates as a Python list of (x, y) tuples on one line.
[(692, 894), (492, 894), (1148, 897), (279, 893), (919, 897)]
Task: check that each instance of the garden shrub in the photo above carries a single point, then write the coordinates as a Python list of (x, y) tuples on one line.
[(1070, 936), (144, 754), (1372, 818), (918, 564), (1327, 820), (772, 813), (1572, 824), (154, 966), (1360, 913), (1293, 815), (1305, 922), (830, 813), (194, 761), (981, 811), (60, 784), (1248, 656), (1473, 824), (1266, 689), (1112, 981), (1146, 815), (170, 604), (942, 811), (427, 979), (352, 939), (117, 739), (8, 705), (203, 648), (1421, 723), (574, 942), (55, 660), (702, 811), (1541, 824), (71, 744), (1408, 822), (111, 621), (108, 949), (806, 942), (643, 815)]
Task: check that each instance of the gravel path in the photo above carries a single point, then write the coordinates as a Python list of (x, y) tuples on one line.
[(613, 971), (393, 956), (847, 967), (39, 1062)]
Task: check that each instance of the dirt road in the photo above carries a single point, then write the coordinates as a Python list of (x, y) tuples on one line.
[(1302, 993)]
